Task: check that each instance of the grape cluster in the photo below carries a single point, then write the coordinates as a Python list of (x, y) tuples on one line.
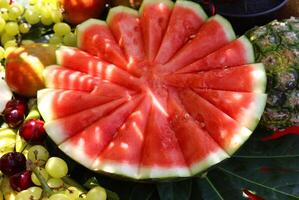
[(17, 19), (32, 172)]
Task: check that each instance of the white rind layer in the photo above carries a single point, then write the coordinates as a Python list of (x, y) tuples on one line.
[(248, 49), (227, 27), (61, 51), (195, 7), (5, 92), (167, 3), (155, 172), (56, 131), (210, 160), (260, 78), (251, 116), (120, 9), (85, 25), (44, 103), (124, 169), (77, 153), (240, 136)]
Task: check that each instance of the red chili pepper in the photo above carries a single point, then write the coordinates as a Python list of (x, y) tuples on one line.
[(252, 196), (292, 130)]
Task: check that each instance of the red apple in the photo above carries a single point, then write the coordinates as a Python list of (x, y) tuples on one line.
[(77, 11)]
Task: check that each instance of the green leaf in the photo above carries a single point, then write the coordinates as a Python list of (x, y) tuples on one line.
[(180, 190)]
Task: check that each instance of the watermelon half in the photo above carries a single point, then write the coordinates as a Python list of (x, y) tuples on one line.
[(159, 93)]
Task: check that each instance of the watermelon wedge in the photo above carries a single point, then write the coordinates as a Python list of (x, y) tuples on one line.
[(158, 93)]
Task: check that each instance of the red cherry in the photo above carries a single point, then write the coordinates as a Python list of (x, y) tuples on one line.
[(21, 180), (18, 104), (13, 117), (12, 163), (33, 130)]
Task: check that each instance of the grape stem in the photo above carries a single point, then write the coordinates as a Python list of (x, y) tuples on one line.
[(71, 182), (43, 182)]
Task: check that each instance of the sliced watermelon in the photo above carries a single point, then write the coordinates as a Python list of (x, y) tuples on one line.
[(161, 156), (212, 35), (57, 103), (199, 149), (125, 24), (253, 79), (185, 20), (88, 144), (95, 37), (227, 56), (245, 108), (76, 59), (154, 16), (123, 154), (153, 94), (62, 78), (64, 128), (225, 131)]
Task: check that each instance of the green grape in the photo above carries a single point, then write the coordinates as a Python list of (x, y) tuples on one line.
[(59, 196), (73, 192), (26, 42), (2, 53), (56, 167), (55, 184), (61, 29), (70, 39), (46, 17), (55, 39), (14, 12), (12, 28), (5, 37), (32, 193), (2, 24), (4, 13), (38, 155), (10, 43), (31, 17), (56, 15), (96, 193), (24, 27), (4, 3), (33, 2), (43, 172)]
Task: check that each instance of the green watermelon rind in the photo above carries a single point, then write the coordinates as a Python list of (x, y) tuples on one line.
[(120, 9), (195, 7), (227, 27), (248, 49), (260, 78), (85, 25), (168, 3), (252, 115)]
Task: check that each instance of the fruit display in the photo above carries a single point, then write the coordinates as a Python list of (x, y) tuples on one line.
[(277, 46), (135, 98), (102, 101)]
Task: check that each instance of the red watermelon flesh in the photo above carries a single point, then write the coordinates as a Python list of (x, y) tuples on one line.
[(227, 56), (90, 142), (226, 131), (185, 20), (198, 147), (212, 35), (95, 37), (154, 20), (127, 145), (245, 78), (149, 120), (238, 105)]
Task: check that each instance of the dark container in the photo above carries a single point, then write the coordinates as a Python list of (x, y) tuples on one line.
[(245, 14)]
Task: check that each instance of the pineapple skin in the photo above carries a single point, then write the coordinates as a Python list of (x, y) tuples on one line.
[(277, 46)]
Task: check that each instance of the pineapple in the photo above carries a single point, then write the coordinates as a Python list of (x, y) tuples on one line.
[(277, 46)]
